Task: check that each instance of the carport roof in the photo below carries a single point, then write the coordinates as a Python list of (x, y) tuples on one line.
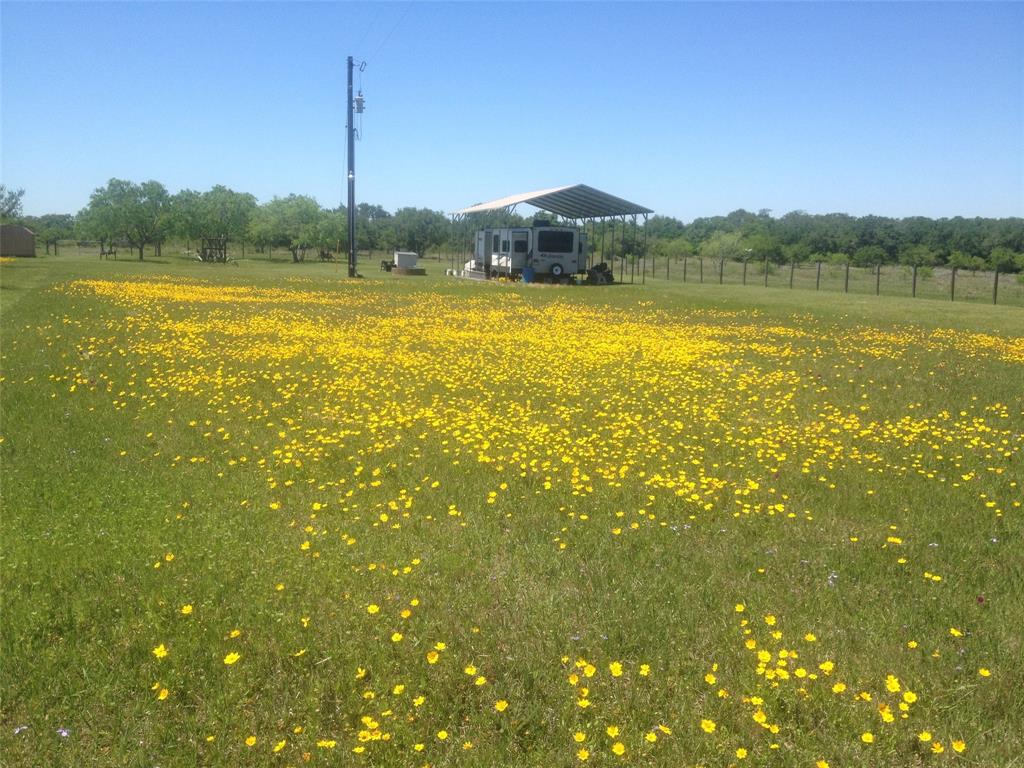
[(576, 201)]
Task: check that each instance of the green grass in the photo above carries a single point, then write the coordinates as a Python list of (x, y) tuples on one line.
[(617, 469)]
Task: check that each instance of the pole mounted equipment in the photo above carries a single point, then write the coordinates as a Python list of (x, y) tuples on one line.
[(356, 104)]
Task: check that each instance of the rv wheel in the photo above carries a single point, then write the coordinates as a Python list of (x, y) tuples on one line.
[(556, 270)]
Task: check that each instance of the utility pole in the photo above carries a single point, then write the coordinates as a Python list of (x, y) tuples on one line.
[(351, 130)]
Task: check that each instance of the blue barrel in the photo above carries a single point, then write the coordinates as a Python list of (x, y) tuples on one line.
[(528, 274)]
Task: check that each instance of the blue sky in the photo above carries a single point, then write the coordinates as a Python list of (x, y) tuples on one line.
[(691, 109)]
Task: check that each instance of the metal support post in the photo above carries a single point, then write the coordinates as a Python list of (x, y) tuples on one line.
[(351, 179)]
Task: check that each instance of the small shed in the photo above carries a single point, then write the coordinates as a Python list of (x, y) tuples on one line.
[(405, 264), (406, 259), (16, 240)]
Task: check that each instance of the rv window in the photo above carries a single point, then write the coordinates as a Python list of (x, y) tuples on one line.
[(519, 246), (555, 242), (504, 246), (495, 246)]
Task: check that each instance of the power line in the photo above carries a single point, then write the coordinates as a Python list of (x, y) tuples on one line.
[(369, 28), (387, 37)]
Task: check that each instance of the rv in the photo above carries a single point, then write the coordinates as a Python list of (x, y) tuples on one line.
[(552, 252)]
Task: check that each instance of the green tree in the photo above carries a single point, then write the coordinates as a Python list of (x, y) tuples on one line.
[(332, 231), (139, 213), (919, 256), (10, 203), (226, 213), (150, 219), (51, 228), (664, 228), (722, 246), (419, 229), (875, 231), (961, 260), (679, 247), (187, 220), (372, 224), (1003, 259), (761, 245), (869, 256), (675, 248), (100, 220), (291, 222), (261, 228), (796, 253)]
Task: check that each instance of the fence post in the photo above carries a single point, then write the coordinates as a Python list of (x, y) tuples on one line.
[(913, 284), (744, 271), (817, 279), (846, 281), (952, 285), (792, 267), (700, 261), (765, 271), (995, 286), (878, 278), (721, 271)]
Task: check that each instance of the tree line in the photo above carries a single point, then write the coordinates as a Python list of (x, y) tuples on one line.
[(866, 241), (145, 215)]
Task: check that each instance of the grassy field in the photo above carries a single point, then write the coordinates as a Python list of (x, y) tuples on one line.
[(974, 287), (264, 515)]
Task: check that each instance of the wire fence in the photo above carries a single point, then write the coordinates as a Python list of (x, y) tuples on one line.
[(943, 283), (940, 283)]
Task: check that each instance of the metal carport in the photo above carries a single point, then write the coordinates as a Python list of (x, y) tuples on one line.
[(578, 203)]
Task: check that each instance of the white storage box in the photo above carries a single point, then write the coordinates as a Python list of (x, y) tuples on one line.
[(406, 259)]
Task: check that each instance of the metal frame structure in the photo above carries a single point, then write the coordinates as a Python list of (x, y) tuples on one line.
[(583, 206), (214, 249)]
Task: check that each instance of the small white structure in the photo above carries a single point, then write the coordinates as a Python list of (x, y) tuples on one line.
[(406, 259)]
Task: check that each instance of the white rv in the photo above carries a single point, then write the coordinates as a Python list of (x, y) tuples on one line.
[(552, 252)]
